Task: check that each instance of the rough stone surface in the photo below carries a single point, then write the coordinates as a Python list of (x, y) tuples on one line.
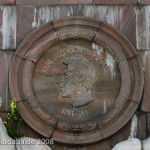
[(144, 2), (7, 2), (52, 2), (110, 2), (142, 27), (1, 38), (121, 17), (24, 22), (145, 106), (5, 60)]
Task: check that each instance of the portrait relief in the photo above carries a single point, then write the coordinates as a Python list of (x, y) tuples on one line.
[(78, 80)]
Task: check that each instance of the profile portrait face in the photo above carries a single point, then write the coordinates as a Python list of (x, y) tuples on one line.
[(78, 80)]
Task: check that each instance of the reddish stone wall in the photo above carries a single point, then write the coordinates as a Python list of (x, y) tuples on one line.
[(126, 22), (56, 2)]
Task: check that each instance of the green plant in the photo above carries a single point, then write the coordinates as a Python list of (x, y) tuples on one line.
[(15, 121)]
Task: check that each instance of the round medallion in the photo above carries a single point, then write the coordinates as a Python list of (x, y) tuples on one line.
[(76, 80)]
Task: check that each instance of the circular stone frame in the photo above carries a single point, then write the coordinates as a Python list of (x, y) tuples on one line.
[(33, 47)]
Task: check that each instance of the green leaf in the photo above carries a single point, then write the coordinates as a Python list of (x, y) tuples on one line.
[(16, 121)]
